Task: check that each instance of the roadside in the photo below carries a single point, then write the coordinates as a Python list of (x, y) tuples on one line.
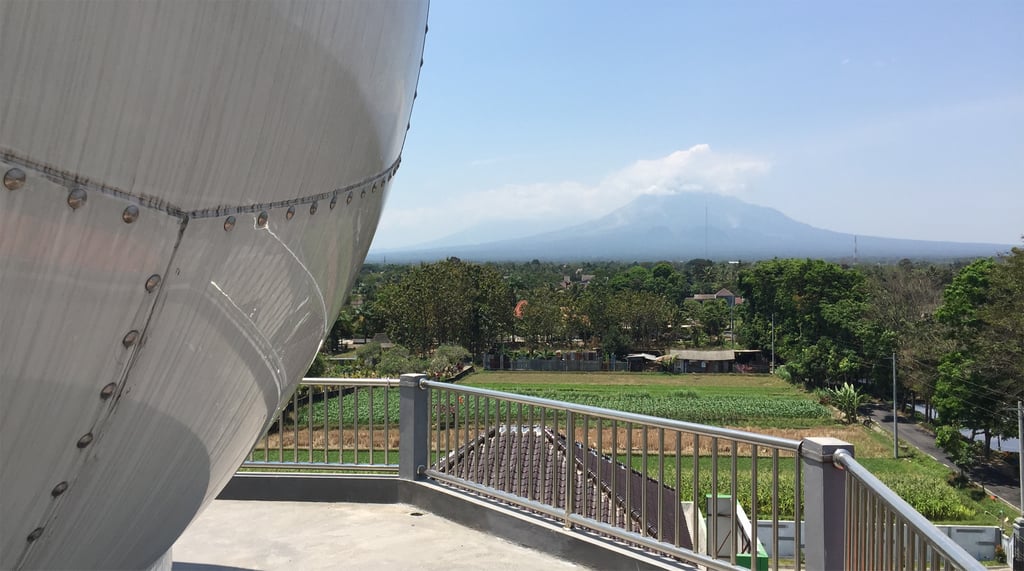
[(997, 478)]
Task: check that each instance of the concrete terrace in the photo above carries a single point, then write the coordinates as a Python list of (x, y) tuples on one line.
[(261, 535)]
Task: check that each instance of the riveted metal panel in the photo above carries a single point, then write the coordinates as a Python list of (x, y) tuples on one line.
[(194, 128), (72, 286)]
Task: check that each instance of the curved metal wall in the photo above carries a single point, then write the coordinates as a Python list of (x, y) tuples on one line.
[(189, 190)]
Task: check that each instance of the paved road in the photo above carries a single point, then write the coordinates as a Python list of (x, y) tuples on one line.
[(1002, 483)]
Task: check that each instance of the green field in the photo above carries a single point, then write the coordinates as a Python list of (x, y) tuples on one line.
[(748, 400)]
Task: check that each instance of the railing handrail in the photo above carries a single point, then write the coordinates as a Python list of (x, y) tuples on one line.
[(701, 429), (938, 540), (350, 382)]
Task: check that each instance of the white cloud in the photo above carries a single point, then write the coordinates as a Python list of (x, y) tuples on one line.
[(697, 169)]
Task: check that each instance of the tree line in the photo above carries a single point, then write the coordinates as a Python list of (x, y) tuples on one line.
[(956, 330)]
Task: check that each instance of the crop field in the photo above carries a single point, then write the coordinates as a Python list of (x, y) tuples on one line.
[(751, 400)]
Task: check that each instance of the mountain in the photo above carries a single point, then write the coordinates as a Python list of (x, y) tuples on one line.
[(690, 225)]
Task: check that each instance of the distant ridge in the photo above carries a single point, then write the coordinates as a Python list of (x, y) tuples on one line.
[(690, 225)]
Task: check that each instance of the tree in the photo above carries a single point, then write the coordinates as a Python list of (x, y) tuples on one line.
[(542, 319), (447, 302), (981, 376), (822, 332)]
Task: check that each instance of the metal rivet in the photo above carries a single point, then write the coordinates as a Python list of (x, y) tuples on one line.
[(35, 534), (362, 194), (312, 208), (108, 390), (291, 212), (261, 220), (76, 198), (14, 179), (348, 199), (229, 223), (59, 489), (152, 282), (334, 201), (130, 214), (85, 440), (374, 189), (130, 338)]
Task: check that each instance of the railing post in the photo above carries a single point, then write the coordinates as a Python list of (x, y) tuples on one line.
[(824, 503), (413, 426)]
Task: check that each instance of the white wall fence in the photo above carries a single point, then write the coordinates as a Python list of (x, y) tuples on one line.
[(978, 540)]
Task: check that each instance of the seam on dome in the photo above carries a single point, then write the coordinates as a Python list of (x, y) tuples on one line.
[(66, 178)]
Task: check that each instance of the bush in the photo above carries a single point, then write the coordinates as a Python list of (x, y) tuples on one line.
[(937, 503), (318, 367)]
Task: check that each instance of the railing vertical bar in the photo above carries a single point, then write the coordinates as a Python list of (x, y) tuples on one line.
[(848, 533), (355, 424), (499, 444), (695, 513), (570, 467), (546, 475), (309, 424), (677, 504), (863, 521), (522, 441), (613, 502), (898, 555), (713, 542), (449, 419), (775, 510), (327, 428), (387, 422), (887, 540), (295, 430), (661, 484), (510, 442), (341, 425), (482, 442), (434, 398), (531, 490), (584, 479), (878, 534), (753, 506), (922, 554), (797, 498), (467, 440), (601, 511), (370, 421), (628, 522), (644, 520), (734, 529)]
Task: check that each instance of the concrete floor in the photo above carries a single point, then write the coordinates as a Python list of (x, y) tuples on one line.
[(253, 535)]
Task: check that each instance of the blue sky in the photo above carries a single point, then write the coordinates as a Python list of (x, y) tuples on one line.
[(896, 119)]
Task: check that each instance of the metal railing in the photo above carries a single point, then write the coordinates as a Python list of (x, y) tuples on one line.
[(346, 425), (641, 479), (678, 489), (883, 532)]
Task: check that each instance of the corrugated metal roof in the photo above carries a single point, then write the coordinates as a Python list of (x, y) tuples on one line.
[(694, 355), (529, 461)]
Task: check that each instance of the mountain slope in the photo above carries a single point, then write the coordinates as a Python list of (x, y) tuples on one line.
[(694, 225)]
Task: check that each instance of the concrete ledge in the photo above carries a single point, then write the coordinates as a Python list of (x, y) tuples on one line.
[(513, 525)]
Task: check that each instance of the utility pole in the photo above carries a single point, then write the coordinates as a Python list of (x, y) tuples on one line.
[(773, 343), (895, 418), (1017, 557)]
